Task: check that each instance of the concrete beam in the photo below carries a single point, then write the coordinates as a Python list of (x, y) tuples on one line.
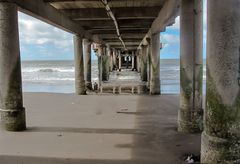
[(127, 43), (165, 18), (50, 15), (88, 24), (120, 13), (124, 35), (128, 47), (133, 31), (125, 40)]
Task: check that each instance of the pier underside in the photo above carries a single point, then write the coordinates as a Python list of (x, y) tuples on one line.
[(66, 129)]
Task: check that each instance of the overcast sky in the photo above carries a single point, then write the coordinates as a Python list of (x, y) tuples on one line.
[(40, 41)]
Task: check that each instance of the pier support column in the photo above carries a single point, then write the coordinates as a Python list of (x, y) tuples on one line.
[(109, 55), (155, 65), (149, 60), (99, 55), (11, 103), (111, 59), (138, 62), (87, 53), (119, 61), (79, 66), (114, 59), (144, 73), (133, 61), (221, 136), (190, 111), (105, 64)]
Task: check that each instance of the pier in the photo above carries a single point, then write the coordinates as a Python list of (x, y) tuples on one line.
[(124, 118)]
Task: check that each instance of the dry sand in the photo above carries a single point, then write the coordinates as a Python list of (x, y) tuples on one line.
[(92, 129)]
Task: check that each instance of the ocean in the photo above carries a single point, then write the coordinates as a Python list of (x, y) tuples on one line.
[(58, 76)]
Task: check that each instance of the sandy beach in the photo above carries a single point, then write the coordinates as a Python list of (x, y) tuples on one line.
[(92, 129)]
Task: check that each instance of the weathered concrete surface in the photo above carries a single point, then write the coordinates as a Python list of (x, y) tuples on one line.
[(221, 136), (138, 62), (149, 61), (111, 65), (144, 58), (88, 129), (155, 65), (11, 105), (105, 64), (133, 60), (114, 59), (119, 61), (190, 117), (87, 63), (79, 66)]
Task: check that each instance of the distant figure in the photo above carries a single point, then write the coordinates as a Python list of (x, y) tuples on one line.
[(127, 61), (95, 86)]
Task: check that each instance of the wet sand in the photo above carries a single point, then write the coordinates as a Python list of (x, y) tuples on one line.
[(93, 129)]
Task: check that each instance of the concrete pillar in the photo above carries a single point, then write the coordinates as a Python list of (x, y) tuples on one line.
[(11, 103), (105, 64), (139, 62), (99, 52), (114, 59), (119, 61), (190, 111), (79, 66), (87, 53), (111, 60), (149, 61), (155, 65), (133, 61), (144, 73), (221, 136)]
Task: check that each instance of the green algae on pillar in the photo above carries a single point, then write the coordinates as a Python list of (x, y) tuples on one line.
[(190, 118), (11, 102), (88, 73), (221, 136), (79, 66), (155, 65)]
